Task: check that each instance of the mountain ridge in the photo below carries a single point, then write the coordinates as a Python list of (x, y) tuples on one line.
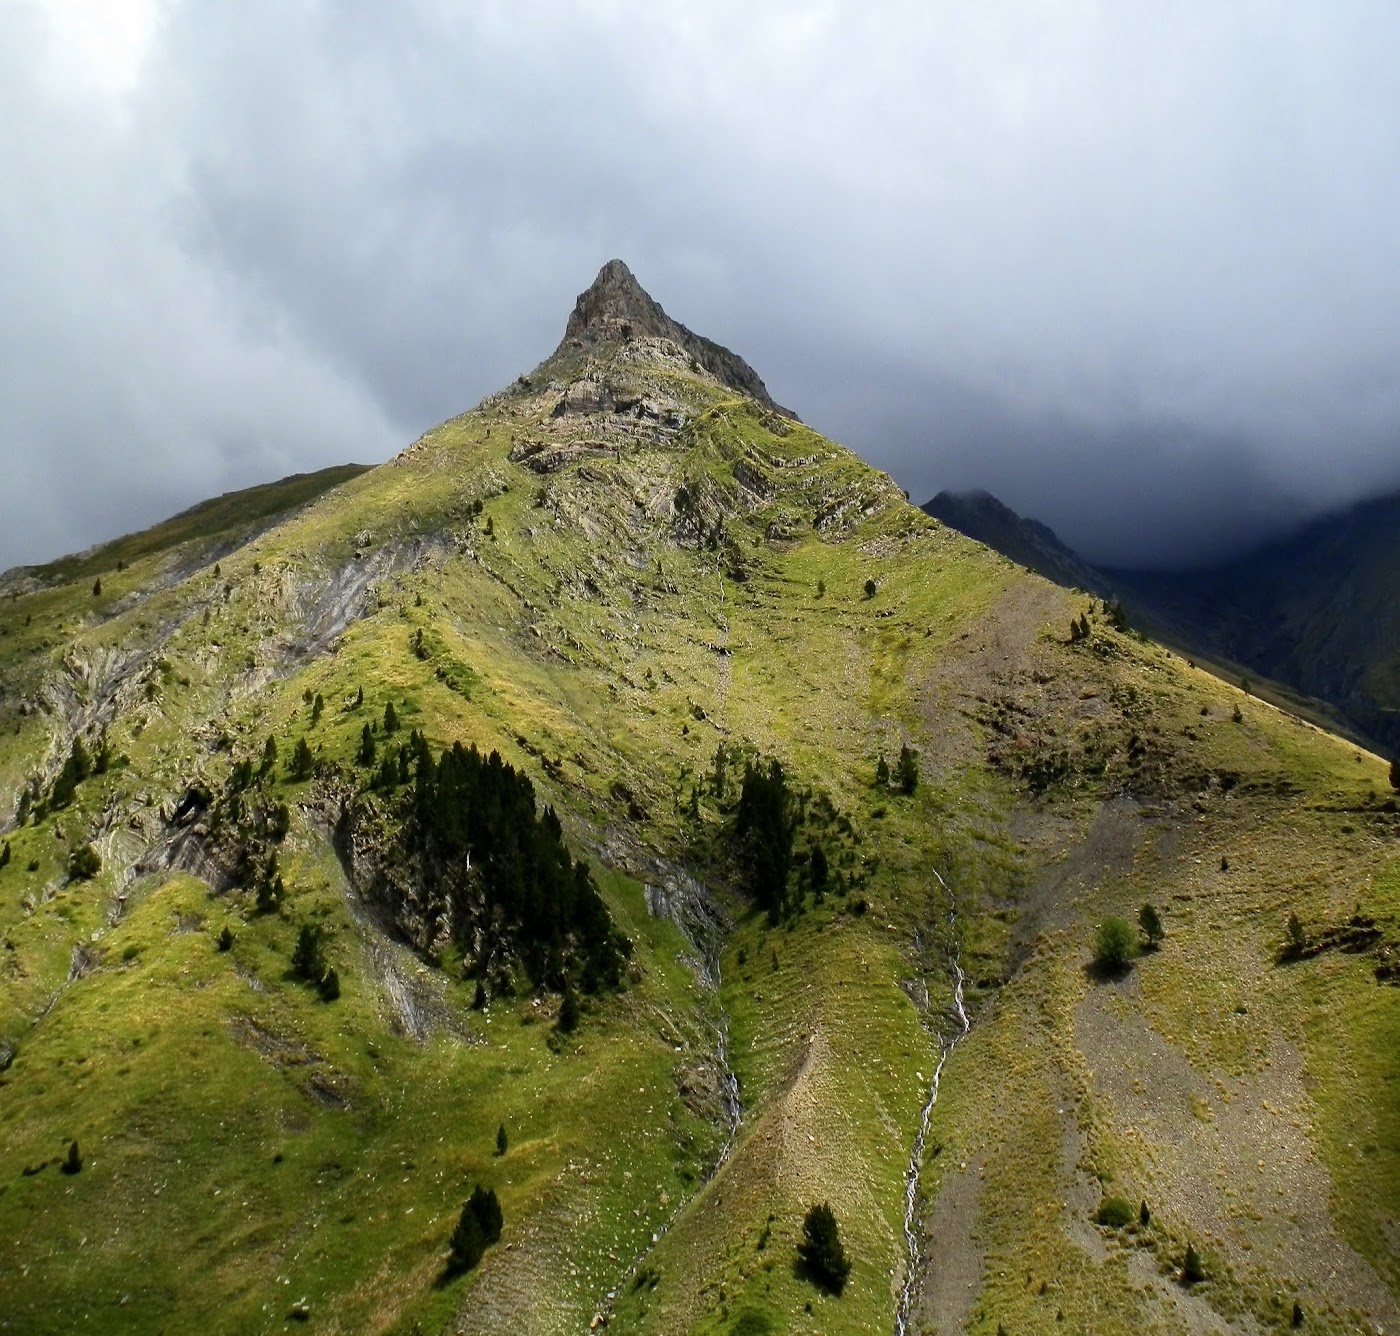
[(641, 590)]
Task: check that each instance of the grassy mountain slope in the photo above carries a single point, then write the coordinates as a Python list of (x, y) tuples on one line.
[(663, 579)]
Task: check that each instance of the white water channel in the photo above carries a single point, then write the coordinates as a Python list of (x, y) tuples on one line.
[(916, 1156)]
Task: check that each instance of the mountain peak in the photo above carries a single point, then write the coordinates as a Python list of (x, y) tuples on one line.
[(615, 310), (617, 307)]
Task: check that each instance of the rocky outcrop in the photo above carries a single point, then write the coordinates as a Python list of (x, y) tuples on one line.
[(617, 310)]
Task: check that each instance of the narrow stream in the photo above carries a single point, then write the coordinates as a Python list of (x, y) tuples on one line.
[(916, 1156)]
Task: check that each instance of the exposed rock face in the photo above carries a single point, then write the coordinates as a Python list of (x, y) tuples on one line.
[(617, 310)]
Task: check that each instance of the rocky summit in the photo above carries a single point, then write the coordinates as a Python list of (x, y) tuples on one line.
[(618, 865)]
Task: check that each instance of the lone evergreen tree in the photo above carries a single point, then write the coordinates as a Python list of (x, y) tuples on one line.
[(467, 1244), (391, 718), (822, 1255), (502, 1142), (487, 1209), (359, 697), (1150, 921), (74, 1163), (303, 762), (1297, 1319), (882, 773), (226, 939), (5, 854), (308, 956), (97, 588), (569, 1012), (477, 1229), (908, 769), (269, 756), (870, 587), (366, 752), (329, 985), (1297, 941), (1395, 773), (317, 706), (1192, 1271)]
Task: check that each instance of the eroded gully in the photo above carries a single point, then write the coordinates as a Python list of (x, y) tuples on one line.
[(956, 1031)]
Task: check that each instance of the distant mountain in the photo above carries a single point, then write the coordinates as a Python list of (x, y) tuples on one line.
[(1318, 611), (1027, 542)]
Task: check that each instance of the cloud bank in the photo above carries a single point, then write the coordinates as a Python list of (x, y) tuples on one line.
[(1136, 269)]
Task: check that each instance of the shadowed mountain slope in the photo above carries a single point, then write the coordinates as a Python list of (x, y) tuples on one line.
[(666, 793), (1317, 612)]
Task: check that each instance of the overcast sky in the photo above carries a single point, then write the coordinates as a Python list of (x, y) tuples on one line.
[(1133, 267)]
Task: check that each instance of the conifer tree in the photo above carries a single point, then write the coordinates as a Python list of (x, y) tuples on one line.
[(308, 956), (317, 706), (269, 756), (908, 769), (823, 1257), (367, 749), (501, 1140), (569, 1012), (5, 855), (303, 762), (467, 1244), (391, 718), (487, 1209), (1150, 921), (882, 773), (73, 1164), (226, 939), (97, 588), (1192, 1270), (1395, 773), (329, 985)]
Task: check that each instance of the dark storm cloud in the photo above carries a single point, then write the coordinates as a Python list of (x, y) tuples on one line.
[(1133, 268)]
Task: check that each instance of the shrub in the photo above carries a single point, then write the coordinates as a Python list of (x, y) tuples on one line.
[(1297, 940), (329, 985), (823, 1257), (84, 863), (1115, 945), (569, 1012), (870, 588), (1115, 1212)]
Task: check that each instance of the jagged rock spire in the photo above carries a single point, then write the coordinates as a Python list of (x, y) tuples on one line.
[(617, 309)]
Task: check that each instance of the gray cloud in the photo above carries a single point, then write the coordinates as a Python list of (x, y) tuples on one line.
[(1134, 269)]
